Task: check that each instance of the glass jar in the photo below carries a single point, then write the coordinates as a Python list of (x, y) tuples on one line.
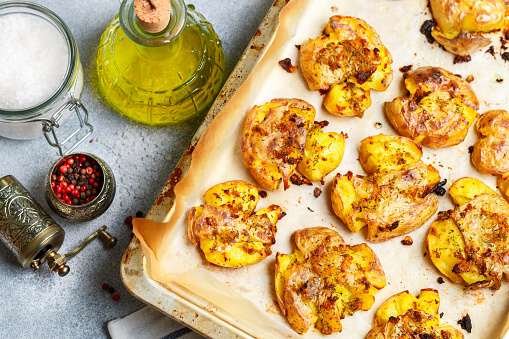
[(45, 117), (160, 78)]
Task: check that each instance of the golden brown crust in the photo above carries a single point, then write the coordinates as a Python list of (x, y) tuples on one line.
[(324, 280), (350, 48), (274, 138), (470, 243), (325, 62), (461, 23), (491, 152), (463, 44), (438, 111), (403, 203), (405, 316), (484, 225), (227, 229), (450, 15), (411, 323), (396, 198)]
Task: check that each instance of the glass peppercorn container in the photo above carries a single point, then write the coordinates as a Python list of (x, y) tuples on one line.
[(82, 172)]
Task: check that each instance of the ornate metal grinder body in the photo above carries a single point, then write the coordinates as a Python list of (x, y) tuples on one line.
[(31, 234)]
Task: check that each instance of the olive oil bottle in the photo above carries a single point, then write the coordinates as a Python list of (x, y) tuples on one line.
[(163, 77)]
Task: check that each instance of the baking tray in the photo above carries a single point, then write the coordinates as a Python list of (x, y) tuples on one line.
[(131, 267), (191, 306)]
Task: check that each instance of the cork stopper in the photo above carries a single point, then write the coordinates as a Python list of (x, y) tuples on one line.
[(153, 15)]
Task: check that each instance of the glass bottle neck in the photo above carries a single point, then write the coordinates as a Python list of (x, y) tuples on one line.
[(133, 30)]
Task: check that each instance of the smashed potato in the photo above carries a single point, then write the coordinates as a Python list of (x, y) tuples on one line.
[(405, 316), (281, 136), (347, 99), (471, 243), (322, 154), (347, 61), (274, 138), (387, 152), (438, 111), (491, 152), (465, 189), (325, 280), (227, 229), (503, 184), (461, 23), (395, 198)]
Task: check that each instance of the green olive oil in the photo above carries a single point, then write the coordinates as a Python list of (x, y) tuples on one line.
[(162, 78)]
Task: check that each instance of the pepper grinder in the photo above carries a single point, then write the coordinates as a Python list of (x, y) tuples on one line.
[(31, 234)]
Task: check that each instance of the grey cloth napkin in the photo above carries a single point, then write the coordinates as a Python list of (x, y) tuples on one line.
[(149, 323)]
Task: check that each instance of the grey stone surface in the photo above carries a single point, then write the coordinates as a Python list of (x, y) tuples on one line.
[(42, 304)]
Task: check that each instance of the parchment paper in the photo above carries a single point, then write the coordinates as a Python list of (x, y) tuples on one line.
[(245, 297)]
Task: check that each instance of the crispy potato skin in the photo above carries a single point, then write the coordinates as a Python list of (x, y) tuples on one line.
[(395, 198), (443, 230), (226, 228), (347, 50), (347, 61), (403, 315), (491, 151), (484, 225), (438, 110), (462, 44), (281, 136), (274, 139), (471, 243), (460, 23), (468, 15), (390, 203), (324, 280), (503, 184)]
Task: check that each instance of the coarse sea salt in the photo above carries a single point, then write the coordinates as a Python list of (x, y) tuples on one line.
[(34, 59)]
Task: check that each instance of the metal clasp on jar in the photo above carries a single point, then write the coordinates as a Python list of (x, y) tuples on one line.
[(49, 125)]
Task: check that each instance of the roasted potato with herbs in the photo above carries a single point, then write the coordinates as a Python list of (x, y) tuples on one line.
[(465, 189), (460, 24), (281, 136), (322, 154), (347, 61), (387, 152), (471, 243), (274, 139), (396, 198), (437, 112), (491, 152), (325, 280), (347, 99), (405, 316), (227, 229)]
